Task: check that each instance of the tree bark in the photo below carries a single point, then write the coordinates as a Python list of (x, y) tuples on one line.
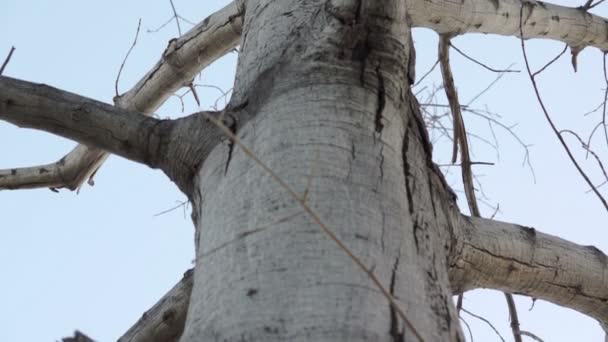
[(164, 322), (514, 258), (327, 89), (322, 97)]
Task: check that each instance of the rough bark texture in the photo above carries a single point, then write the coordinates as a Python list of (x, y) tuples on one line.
[(513, 258), (322, 96), (164, 322), (327, 86), (128, 134), (573, 26), (175, 146)]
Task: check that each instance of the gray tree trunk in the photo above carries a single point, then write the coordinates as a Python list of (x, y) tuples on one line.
[(326, 85), (322, 97)]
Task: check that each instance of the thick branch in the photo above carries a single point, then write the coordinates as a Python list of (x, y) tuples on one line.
[(164, 322), (176, 146), (573, 26), (128, 134), (520, 260), (181, 61)]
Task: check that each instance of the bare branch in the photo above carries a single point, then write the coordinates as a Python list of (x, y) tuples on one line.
[(466, 324), (182, 60), (122, 65), (460, 133), (427, 73), (480, 63), (486, 322), (548, 64), (8, 58), (176, 17), (514, 317), (531, 335), (541, 20), (513, 258), (164, 322), (548, 117), (87, 121), (589, 150)]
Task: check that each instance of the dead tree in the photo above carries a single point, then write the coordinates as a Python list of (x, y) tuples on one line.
[(322, 138)]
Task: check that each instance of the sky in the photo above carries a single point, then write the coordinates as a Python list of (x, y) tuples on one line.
[(96, 260)]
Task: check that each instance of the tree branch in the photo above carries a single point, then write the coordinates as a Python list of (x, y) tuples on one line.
[(181, 61), (220, 32), (573, 26), (128, 134), (175, 146), (164, 322), (521, 260)]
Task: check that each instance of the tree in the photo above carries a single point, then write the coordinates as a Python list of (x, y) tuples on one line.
[(322, 97)]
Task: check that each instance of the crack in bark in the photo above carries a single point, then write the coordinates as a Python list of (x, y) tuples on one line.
[(382, 246), (381, 101), (431, 195), (416, 228), (396, 335), (514, 260), (361, 52), (406, 169), (232, 129), (578, 290), (358, 10)]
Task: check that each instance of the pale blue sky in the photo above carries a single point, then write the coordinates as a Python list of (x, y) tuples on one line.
[(97, 260)]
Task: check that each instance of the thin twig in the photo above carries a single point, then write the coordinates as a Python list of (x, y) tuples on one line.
[(181, 204), (8, 58), (551, 61), (479, 63), (531, 335), (508, 129), (127, 56), (427, 73), (486, 321), (317, 219), (589, 4), (586, 148), (488, 87), (466, 324), (595, 4), (605, 99), (179, 29), (514, 317), (548, 117)]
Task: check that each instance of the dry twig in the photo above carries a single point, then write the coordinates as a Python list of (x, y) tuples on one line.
[(8, 58), (126, 56), (548, 117), (485, 321)]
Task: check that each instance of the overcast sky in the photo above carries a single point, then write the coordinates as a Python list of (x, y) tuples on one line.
[(95, 261)]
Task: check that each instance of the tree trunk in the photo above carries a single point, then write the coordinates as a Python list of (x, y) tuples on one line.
[(327, 90), (322, 97)]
